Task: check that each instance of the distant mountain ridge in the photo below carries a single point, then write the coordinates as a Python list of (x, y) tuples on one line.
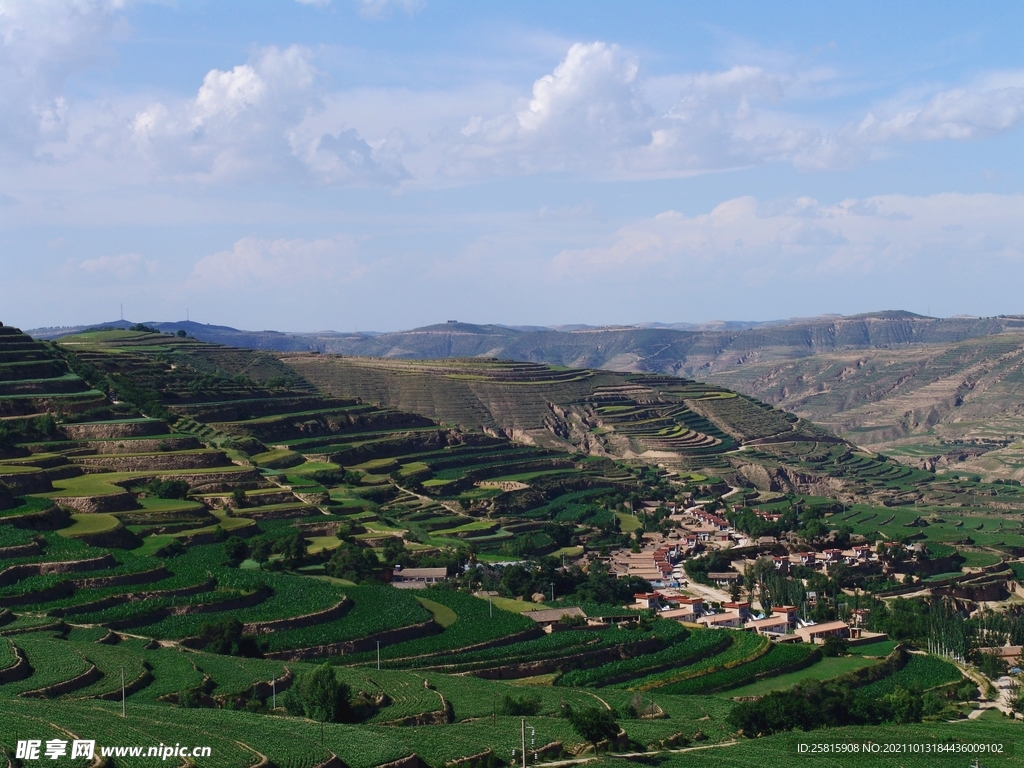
[(678, 349)]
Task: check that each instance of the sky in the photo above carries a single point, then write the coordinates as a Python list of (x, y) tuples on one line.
[(364, 165)]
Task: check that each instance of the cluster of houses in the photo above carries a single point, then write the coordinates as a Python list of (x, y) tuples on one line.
[(656, 563), (697, 529), (782, 624)]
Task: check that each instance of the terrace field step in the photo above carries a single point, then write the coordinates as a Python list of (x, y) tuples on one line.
[(113, 429)]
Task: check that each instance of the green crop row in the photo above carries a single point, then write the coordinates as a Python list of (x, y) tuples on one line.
[(174, 670), (111, 660), (474, 625), (52, 662), (235, 675), (700, 644), (920, 673), (745, 647), (779, 659), (553, 646), (291, 596), (8, 658)]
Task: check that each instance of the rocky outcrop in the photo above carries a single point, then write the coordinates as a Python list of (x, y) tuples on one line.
[(785, 479), (144, 445), (158, 462), (139, 577), (111, 502), (479, 760), (50, 519), (106, 430), (442, 716), (283, 683), (22, 483)]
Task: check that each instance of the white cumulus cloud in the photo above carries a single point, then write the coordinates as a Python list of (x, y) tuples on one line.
[(252, 123), (42, 44), (120, 267), (275, 264), (802, 238)]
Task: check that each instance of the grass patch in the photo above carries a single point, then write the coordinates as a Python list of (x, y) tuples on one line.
[(86, 524), (322, 543), (880, 648), (515, 606), (443, 615), (627, 522), (979, 559), (825, 669), (151, 544), (153, 504), (279, 458)]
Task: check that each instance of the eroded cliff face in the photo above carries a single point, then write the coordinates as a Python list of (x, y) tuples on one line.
[(785, 479)]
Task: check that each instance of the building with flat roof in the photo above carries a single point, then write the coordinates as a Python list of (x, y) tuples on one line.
[(818, 633), (771, 625), (417, 578)]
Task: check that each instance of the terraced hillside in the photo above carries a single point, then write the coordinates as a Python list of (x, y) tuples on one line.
[(940, 406), (203, 506), (675, 421)]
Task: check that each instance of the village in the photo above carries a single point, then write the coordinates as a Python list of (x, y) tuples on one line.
[(660, 560)]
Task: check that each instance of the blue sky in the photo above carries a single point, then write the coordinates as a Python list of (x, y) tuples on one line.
[(382, 164)]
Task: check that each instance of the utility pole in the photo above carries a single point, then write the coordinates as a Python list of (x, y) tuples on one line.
[(552, 591), (378, 655), (273, 685), (490, 607), (122, 694), (524, 741)]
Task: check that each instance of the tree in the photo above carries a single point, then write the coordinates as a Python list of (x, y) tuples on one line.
[(324, 697), (735, 590), (292, 549), (352, 562), (593, 724), (991, 665), (904, 706), (834, 646), (227, 638), (260, 551), (394, 552), (815, 529), (527, 705), (236, 550), (168, 489), (181, 334)]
